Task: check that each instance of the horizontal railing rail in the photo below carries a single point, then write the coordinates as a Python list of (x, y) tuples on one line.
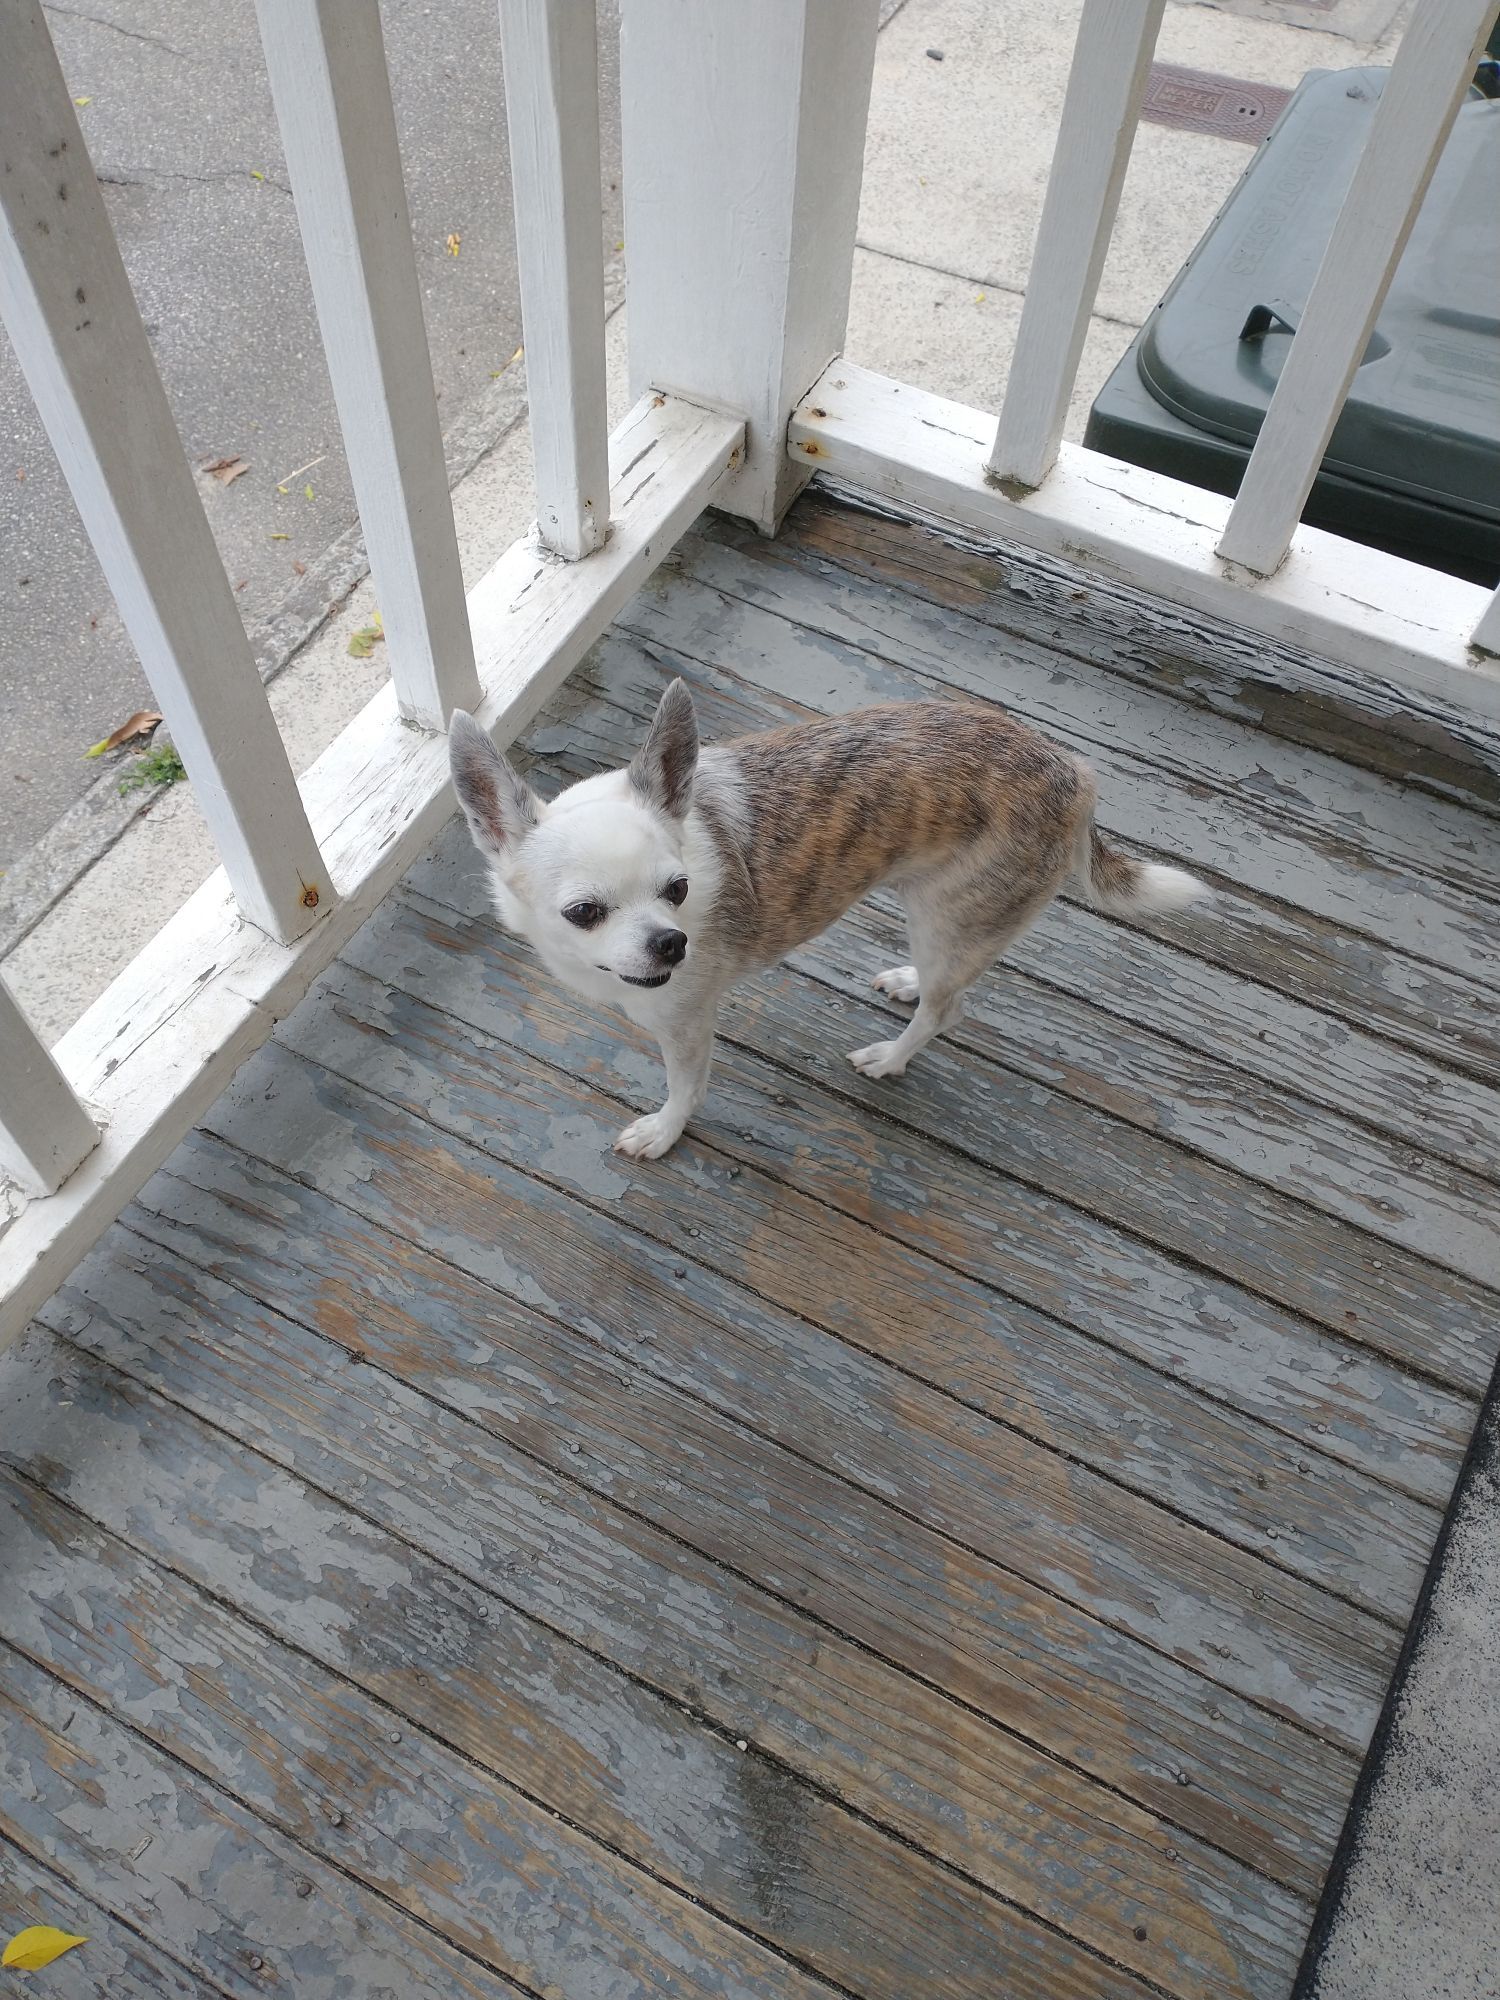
[(1429, 77)]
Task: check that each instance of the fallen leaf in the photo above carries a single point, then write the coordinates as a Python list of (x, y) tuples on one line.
[(140, 724), (256, 174), (81, 101), (453, 243), (36, 1946), (307, 490), (979, 298), (278, 538), (299, 567), (228, 470), (363, 642)]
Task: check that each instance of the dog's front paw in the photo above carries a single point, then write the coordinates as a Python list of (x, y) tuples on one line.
[(649, 1137), (879, 1059), (900, 981)]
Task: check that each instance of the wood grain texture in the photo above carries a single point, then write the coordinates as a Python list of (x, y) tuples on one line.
[(1076, 1391), (1254, 1785), (1196, 787), (920, 453), (1287, 694), (946, 1539), (114, 1961), (1304, 1654), (735, 1829), (1055, 665), (1055, 1127), (506, 1880), (213, 1887)]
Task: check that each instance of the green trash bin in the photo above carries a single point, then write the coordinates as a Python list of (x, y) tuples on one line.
[(1414, 462)]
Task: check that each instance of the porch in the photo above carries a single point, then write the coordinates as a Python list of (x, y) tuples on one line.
[(948, 1537)]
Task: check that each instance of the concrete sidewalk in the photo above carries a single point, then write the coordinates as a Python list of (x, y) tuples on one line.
[(963, 121)]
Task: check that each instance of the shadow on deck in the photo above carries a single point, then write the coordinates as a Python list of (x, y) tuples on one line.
[(943, 1538)]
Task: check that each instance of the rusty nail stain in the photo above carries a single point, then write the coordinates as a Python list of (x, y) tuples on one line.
[(818, 413), (812, 449), (309, 898)]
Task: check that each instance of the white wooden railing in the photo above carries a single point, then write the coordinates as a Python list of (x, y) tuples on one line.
[(743, 130)]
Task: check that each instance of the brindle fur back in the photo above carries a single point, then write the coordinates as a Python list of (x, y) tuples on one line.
[(823, 812)]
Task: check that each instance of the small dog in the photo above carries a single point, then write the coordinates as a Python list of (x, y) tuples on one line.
[(656, 888)]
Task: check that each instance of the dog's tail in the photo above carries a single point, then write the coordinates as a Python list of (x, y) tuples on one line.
[(1111, 881)]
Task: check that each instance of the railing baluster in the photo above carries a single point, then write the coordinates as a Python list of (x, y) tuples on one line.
[(44, 1130), (1107, 82), (1426, 85), (78, 335), (333, 102), (1487, 631), (550, 50)]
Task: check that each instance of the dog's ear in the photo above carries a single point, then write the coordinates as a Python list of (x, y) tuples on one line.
[(500, 806), (662, 771)]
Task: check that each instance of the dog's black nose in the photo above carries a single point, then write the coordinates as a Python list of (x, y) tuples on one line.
[(669, 947)]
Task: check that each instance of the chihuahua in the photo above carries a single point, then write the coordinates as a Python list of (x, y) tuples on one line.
[(656, 888)]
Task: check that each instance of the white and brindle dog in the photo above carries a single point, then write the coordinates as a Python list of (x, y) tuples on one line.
[(656, 888)]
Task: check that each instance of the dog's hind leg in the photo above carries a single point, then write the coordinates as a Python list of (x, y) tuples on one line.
[(950, 952)]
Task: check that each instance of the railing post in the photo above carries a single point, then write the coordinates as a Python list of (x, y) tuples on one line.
[(1427, 83), (1111, 61), (1487, 631), (44, 1130), (550, 50), (332, 94), (79, 338), (743, 134)]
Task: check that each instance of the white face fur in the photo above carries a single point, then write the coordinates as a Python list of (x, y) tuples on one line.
[(601, 885), (602, 880)]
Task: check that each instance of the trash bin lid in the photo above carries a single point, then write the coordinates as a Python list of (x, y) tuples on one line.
[(1423, 415)]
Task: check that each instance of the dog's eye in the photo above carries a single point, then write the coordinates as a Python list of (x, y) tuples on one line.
[(585, 915), (676, 892)]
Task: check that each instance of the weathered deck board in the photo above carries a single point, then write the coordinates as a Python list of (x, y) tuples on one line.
[(731, 1828), (411, 1509), (1025, 1231), (1219, 825), (510, 1503), (1339, 1277), (1308, 1655), (117, 1962), (1024, 594), (1069, 1391), (213, 1886)]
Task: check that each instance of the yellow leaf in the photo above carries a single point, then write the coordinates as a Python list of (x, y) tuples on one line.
[(307, 490), (31, 1949), (979, 298), (256, 174), (363, 642), (279, 538), (453, 245), (81, 101)]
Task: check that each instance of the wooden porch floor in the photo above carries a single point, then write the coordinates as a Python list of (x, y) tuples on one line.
[(945, 1538)]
